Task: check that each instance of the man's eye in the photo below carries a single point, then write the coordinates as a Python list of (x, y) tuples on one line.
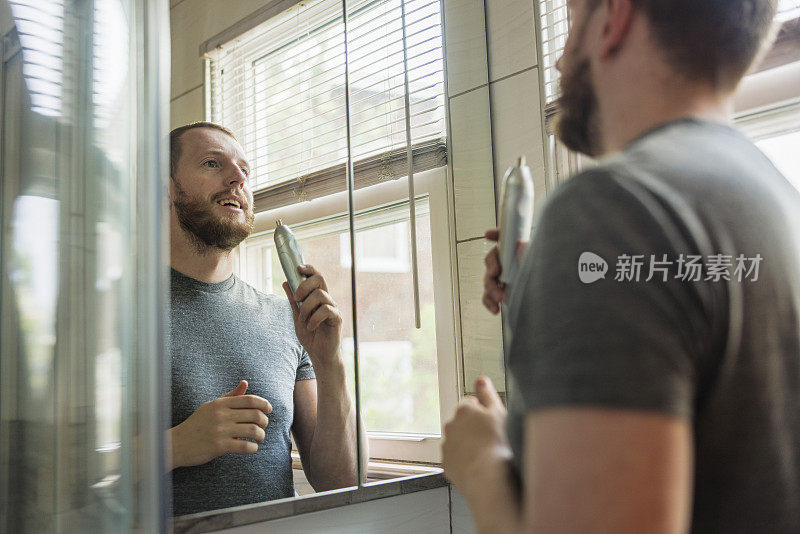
[(211, 163)]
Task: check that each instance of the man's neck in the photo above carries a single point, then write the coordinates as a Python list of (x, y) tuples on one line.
[(623, 119), (207, 264)]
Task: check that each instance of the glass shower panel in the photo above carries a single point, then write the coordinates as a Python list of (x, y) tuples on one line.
[(80, 235)]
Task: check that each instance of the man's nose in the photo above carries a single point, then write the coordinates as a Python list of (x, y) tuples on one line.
[(236, 178)]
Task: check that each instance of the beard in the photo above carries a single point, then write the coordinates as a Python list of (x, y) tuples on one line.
[(576, 126), (206, 229)]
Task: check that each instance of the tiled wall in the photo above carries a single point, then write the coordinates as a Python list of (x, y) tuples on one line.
[(493, 90)]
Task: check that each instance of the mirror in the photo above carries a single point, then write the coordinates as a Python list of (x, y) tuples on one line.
[(278, 80), (280, 86)]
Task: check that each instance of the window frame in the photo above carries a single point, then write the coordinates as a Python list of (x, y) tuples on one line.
[(431, 172), (412, 448)]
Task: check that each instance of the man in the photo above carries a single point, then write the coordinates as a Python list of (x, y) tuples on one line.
[(242, 377), (657, 398)]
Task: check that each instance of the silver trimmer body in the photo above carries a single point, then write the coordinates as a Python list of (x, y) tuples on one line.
[(516, 217), (289, 255)]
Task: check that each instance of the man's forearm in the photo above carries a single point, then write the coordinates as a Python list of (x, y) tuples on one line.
[(494, 499), (334, 458)]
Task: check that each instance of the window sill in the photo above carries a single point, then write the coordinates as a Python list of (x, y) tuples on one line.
[(267, 511)]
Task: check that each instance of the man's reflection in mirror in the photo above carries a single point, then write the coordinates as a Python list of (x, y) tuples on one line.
[(249, 369)]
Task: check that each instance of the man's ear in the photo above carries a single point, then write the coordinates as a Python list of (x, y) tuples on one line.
[(616, 27)]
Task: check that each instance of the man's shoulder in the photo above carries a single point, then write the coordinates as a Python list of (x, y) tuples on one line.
[(689, 162), (250, 293)]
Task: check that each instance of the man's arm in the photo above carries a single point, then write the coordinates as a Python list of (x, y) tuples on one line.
[(324, 424), (607, 470), (586, 470), (325, 433)]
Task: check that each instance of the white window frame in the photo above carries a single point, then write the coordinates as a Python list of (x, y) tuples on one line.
[(424, 448)]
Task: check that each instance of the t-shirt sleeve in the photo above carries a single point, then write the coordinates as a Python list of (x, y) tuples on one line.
[(608, 342), (305, 371)]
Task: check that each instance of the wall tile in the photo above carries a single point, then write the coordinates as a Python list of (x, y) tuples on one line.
[(192, 22), (511, 36), (187, 108), (471, 139), (465, 42), (481, 334), (516, 127)]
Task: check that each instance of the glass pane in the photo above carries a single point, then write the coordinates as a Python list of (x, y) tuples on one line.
[(69, 270), (395, 356), (398, 365)]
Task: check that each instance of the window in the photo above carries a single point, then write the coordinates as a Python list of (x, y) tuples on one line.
[(554, 20), (554, 28), (281, 87), (416, 365)]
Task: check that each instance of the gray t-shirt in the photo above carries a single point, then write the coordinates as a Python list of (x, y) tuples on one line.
[(724, 354), (221, 334)]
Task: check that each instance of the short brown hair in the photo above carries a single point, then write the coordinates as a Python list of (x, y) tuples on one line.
[(175, 141), (713, 41)]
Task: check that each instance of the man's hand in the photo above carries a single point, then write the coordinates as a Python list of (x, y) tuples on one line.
[(475, 450), (494, 291), (317, 323), (215, 427)]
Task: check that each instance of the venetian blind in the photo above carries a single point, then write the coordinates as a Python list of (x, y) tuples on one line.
[(554, 24), (281, 88)]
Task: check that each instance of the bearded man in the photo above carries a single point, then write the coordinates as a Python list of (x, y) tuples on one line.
[(245, 364), (659, 398)]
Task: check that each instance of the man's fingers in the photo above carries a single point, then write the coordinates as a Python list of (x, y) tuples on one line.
[(325, 312), (486, 392), (492, 262), (238, 390), (492, 234), (257, 417), (249, 431), (315, 280), (490, 304), (249, 401), (241, 446), (318, 298)]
